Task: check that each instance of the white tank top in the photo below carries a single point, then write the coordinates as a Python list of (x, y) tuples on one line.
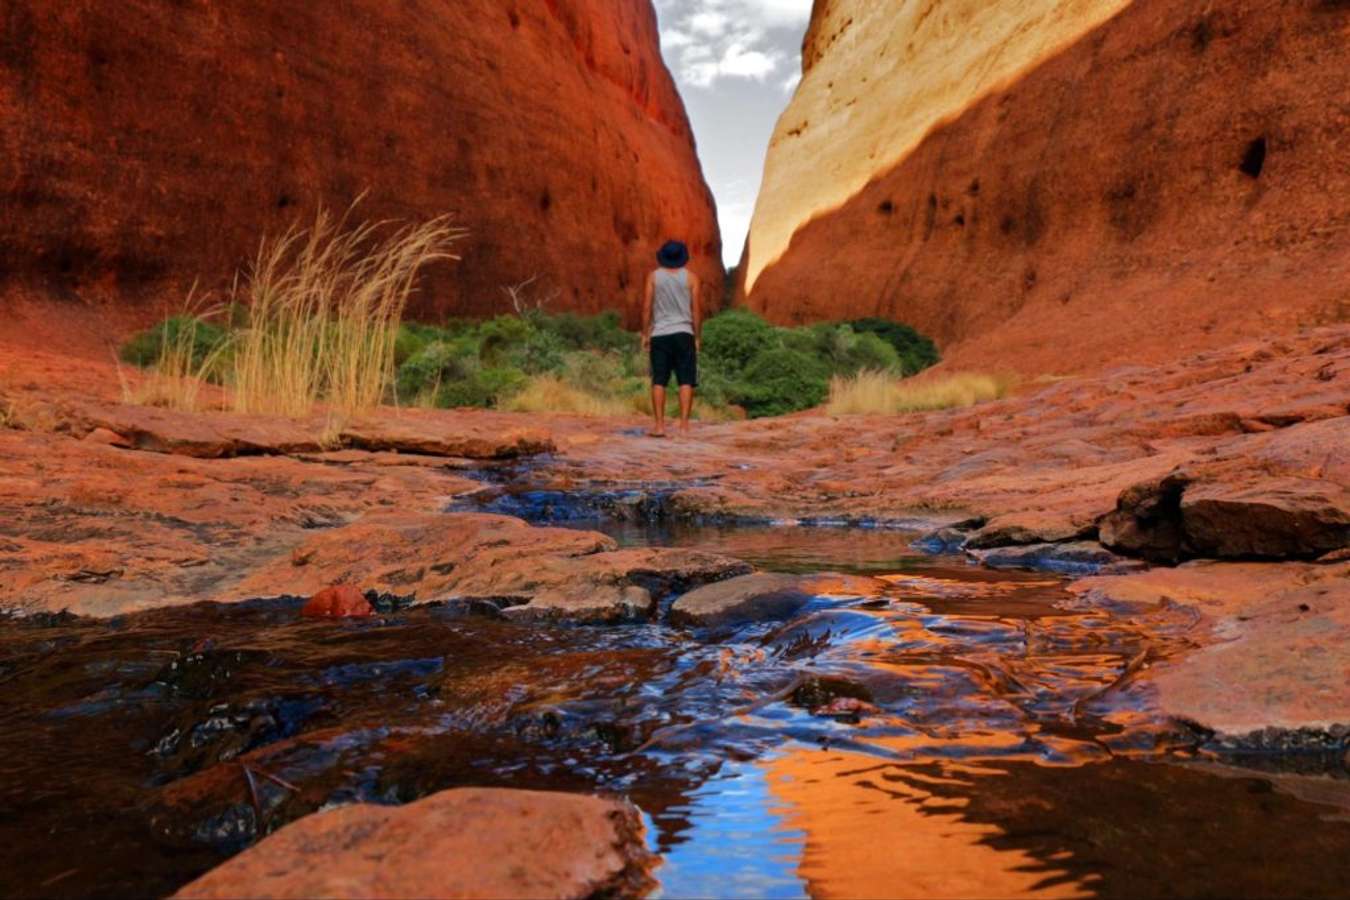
[(672, 303)]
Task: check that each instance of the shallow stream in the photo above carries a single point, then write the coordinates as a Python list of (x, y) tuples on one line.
[(948, 731)]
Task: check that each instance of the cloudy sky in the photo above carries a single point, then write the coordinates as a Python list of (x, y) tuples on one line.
[(736, 62)]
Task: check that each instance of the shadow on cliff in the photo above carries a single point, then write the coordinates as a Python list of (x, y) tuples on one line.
[(1172, 181)]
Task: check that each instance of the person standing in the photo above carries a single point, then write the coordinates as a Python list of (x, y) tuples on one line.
[(672, 325)]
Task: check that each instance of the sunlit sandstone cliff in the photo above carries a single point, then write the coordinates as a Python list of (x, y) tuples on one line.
[(146, 144), (1050, 186)]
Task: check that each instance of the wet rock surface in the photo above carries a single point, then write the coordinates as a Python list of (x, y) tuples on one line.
[(338, 602), (1270, 646), (749, 598), (470, 842)]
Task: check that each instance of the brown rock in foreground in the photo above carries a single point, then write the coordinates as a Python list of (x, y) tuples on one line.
[(149, 145), (1050, 187), (469, 842), (338, 602)]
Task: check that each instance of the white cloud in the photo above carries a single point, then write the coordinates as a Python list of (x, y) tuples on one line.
[(708, 40), (709, 22), (737, 62), (673, 38), (741, 62)]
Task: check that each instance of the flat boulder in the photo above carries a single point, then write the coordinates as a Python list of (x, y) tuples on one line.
[(1268, 662), (467, 842), (749, 598)]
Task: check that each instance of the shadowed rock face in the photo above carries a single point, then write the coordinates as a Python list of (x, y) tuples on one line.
[(151, 144), (1047, 187)]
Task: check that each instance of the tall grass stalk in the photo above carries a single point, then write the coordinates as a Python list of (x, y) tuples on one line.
[(324, 307), (878, 393)]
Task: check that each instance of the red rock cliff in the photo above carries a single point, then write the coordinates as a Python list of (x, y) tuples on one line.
[(1049, 186), (145, 144)]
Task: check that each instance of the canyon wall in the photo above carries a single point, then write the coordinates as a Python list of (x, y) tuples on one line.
[(1052, 186), (148, 144)]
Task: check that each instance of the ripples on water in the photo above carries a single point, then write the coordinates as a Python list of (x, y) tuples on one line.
[(991, 739)]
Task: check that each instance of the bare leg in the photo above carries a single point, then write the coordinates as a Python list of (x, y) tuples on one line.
[(686, 406), (659, 409)]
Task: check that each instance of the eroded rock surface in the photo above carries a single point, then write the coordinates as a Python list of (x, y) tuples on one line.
[(149, 145), (1271, 639), (468, 842)]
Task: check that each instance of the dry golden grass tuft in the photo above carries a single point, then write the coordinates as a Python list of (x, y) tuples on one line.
[(548, 394), (881, 394), (324, 307)]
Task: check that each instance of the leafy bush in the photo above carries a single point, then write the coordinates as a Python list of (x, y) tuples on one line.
[(734, 338), (199, 337), (916, 351), (435, 365), (412, 338), (487, 387), (542, 351), (781, 381), (602, 332)]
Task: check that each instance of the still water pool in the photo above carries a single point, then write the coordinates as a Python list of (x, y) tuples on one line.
[(943, 730)]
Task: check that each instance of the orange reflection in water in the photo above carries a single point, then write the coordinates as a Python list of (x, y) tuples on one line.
[(872, 830)]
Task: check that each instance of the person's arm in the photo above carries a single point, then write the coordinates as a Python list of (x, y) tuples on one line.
[(647, 294), (696, 297)]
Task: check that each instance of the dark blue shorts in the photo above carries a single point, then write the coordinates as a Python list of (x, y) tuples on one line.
[(674, 353)]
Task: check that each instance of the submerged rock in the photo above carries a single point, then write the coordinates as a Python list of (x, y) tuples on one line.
[(1071, 558), (621, 585), (750, 598), (469, 842)]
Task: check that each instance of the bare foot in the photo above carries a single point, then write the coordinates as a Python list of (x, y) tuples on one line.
[(660, 434)]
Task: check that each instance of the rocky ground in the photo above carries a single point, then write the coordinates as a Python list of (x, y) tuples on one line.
[(1216, 488)]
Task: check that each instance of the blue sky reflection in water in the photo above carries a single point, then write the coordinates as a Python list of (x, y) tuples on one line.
[(736, 63), (735, 844)]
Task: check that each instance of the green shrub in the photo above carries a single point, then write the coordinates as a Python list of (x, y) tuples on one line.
[(498, 337), (851, 352), (437, 364), (916, 352), (780, 381), (145, 348), (595, 372), (600, 332), (733, 338), (542, 351), (486, 387), (413, 339)]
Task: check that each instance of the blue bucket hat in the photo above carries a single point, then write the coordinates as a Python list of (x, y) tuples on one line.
[(673, 255)]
